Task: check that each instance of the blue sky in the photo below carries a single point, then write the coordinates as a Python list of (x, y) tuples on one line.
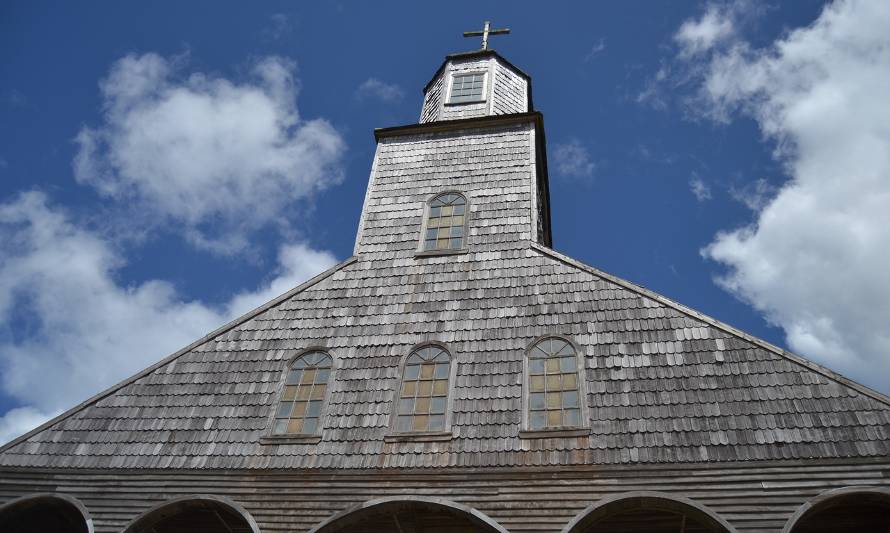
[(167, 166)]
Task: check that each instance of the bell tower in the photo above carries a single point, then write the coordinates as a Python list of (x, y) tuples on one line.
[(476, 84), (470, 177)]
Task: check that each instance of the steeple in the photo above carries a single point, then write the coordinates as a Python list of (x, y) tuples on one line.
[(476, 84), (469, 178)]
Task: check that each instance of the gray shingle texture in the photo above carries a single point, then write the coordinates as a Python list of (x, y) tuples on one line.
[(665, 385)]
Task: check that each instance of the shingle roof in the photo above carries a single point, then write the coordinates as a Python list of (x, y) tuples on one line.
[(665, 384)]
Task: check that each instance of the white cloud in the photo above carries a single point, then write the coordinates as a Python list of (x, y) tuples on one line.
[(816, 259), (697, 36), (573, 159), (754, 195), (387, 92), (296, 264), (217, 158), (85, 329), (596, 49), (21, 420), (700, 189)]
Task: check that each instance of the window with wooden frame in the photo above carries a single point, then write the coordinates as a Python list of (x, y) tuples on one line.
[(446, 223), (467, 87), (423, 398), (302, 400), (554, 391)]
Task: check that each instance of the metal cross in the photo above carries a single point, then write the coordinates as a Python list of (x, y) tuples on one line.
[(485, 32)]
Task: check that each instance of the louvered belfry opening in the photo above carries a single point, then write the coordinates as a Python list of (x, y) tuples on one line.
[(408, 516), (860, 512), (43, 515), (192, 516)]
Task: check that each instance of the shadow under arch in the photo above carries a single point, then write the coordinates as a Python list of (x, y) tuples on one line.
[(860, 508), (186, 513), (46, 512), (388, 509), (647, 502)]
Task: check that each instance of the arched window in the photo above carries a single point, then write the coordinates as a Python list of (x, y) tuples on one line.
[(446, 223), (554, 397), (303, 396), (423, 399)]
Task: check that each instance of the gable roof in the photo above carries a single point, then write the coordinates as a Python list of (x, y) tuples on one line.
[(658, 391)]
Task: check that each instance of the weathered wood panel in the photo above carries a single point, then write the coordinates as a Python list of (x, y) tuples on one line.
[(756, 496)]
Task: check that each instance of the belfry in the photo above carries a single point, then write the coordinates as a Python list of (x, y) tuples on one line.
[(457, 374)]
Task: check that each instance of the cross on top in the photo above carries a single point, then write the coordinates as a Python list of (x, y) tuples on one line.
[(485, 32)]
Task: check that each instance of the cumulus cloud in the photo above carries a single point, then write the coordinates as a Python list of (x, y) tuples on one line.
[(700, 189), (72, 328), (220, 159), (374, 88), (573, 159), (754, 195), (699, 35), (815, 260)]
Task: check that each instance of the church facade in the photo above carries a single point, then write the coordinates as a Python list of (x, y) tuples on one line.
[(458, 374)]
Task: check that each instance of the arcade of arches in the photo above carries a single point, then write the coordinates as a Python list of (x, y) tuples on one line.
[(860, 511), (44, 513), (194, 515)]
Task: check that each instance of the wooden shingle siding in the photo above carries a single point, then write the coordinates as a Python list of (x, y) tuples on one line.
[(489, 166), (510, 93), (751, 497), (657, 392), (675, 401), (506, 90), (432, 101), (468, 110)]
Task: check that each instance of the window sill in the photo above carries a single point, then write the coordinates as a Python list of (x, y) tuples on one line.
[(436, 253), (466, 102), (431, 436), (553, 433), (290, 439)]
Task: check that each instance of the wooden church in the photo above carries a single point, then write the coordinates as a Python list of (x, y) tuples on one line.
[(457, 374)]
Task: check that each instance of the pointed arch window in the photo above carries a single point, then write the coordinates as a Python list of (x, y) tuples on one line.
[(554, 391), (302, 400), (423, 397), (446, 222)]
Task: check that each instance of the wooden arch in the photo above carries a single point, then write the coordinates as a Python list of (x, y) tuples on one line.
[(640, 500), (354, 514), (170, 508), (41, 499), (825, 499)]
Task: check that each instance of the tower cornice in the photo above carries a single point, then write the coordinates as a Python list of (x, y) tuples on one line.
[(461, 124)]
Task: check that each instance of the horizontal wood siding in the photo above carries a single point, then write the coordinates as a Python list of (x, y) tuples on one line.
[(751, 497)]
